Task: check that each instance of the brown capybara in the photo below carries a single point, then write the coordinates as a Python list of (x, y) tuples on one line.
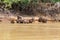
[(31, 21), (19, 21), (59, 20), (12, 21), (42, 20), (0, 20), (19, 17)]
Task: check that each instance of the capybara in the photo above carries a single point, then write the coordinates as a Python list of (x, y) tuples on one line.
[(0, 20), (12, 21), (31, 20), (42, 20), (19, 21)]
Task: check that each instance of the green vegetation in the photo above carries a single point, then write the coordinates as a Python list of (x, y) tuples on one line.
[(55, 1), (24, 6), (8, 3)]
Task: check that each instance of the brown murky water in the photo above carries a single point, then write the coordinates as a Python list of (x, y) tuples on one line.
[(48, 31)]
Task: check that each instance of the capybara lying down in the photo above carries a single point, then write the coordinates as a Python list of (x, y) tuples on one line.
[(31, 21), (12, 21), (42, 20), (58, 20), (0, 20), (19, 21), (24, 20)]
